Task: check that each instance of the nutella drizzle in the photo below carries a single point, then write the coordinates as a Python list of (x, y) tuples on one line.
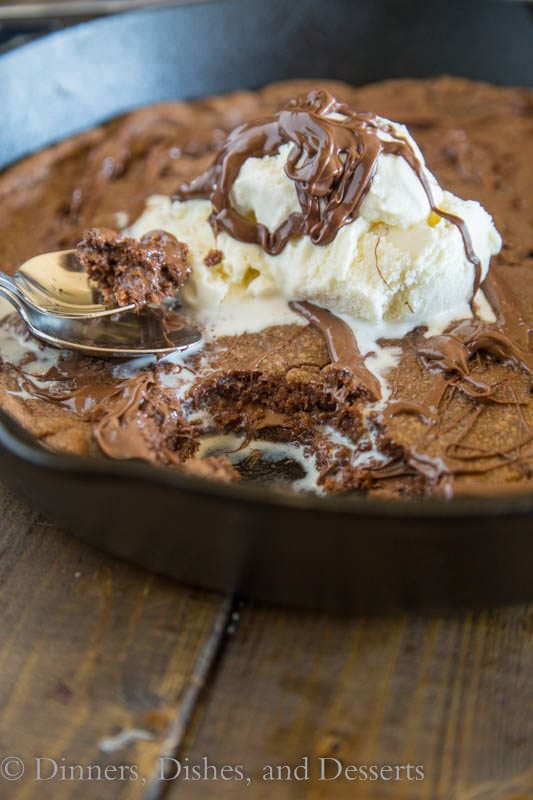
[(332, 162), (448, 356), (341, 343)]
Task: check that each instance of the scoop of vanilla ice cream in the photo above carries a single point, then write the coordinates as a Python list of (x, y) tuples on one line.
[(397, 261)]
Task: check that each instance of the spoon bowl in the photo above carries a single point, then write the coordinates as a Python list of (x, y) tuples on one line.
[(56, 283), (61, 306)]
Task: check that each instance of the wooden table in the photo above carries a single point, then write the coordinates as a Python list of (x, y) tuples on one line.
[(105, 664)]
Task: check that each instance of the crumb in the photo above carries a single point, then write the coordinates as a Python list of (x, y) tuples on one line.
[(134, 271), (213, 258)]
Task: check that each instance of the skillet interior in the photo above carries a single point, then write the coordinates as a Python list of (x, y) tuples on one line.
[(332, 552)]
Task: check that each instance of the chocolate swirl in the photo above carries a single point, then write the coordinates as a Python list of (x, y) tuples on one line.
[(332, 161), (341, 343)]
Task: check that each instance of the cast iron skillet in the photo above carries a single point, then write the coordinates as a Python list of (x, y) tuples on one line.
[(343, 553)]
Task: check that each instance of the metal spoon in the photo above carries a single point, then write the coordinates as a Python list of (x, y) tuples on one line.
[(58, 303)]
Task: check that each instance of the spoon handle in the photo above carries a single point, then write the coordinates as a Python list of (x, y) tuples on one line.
[(7, 282), (9, 291)]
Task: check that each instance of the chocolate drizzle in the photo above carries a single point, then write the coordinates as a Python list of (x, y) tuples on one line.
[(450, 356), (332, 160), (505, 341), (342, 345)]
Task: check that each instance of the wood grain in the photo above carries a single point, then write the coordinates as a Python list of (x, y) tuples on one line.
[(90, 647), (453, 694)]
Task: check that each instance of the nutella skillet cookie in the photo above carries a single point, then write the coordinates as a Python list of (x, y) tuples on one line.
[(363, 287)]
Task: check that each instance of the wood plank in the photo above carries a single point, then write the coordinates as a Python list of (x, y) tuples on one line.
[(91, 648), (452, 694)]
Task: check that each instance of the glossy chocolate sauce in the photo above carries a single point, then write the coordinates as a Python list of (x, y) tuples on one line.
[(342, 345), (449, 358)]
